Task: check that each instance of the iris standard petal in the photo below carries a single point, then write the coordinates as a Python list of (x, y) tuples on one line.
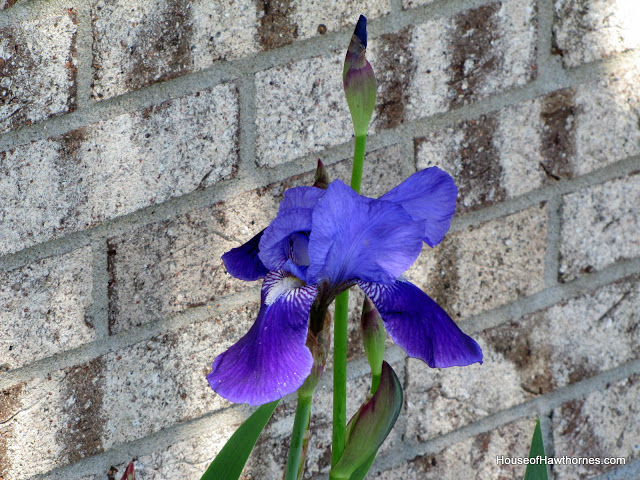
[(275, 245), (271, 360), (428, 195), (421, 327), (300, 197), (356, 237), (243, 262)]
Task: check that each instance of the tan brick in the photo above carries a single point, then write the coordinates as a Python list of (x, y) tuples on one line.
[(486, 266), (189, 458), (561, 135), (300, 109), (586, 33), (531, 356), (415, 3), (165, 268), (139, 43), (573, 340), (121, 396), (5, 4), (602, 424), (599, 226), (607, 128), (59, 416), (307, 19), (157, 383), (421, 70), (439, 401), (44, 308), (37, 68), (116, 166), (472, 458), (471, 55)]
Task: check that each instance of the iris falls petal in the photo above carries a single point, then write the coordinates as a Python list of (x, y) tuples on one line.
[(420, 326), (428, 195), (271, 360), (355, 237)]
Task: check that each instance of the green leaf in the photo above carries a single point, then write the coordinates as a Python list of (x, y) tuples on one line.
[(229, 463), (363, 469), (370, 425), (536, 471)]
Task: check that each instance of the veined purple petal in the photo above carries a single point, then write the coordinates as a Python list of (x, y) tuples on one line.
[(421, 327), (428, 195), (271, 360), (275, 245), (356, 237), (243, 262)]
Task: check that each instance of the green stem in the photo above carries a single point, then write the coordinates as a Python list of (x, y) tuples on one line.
[(339, 376), (375, 382), (340, 332), (358, 161), (300, 426)]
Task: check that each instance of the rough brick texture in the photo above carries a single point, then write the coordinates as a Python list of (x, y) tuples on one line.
[(140, 140), (571, 341), (561, 135), (588, 31), (79, 179), (118, 397), (471, 458), (603, 424), (421, 70), (37, 69), (44, 306), (137, 44), (471, 55), (486, 266), (600, 226), (4, 4), (140, 43)]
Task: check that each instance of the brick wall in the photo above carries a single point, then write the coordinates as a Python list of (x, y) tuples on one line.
[(140, 140)]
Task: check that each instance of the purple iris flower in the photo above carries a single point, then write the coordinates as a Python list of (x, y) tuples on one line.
[(321, 243)]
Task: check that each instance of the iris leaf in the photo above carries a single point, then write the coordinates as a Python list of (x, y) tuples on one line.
[(229, 463), (537, 471)]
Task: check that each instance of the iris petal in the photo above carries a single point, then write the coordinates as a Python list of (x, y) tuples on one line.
[(300, 197), (275, 247), (243, 262), (428, 195), (421, 327), (271, 360), (356, 237)]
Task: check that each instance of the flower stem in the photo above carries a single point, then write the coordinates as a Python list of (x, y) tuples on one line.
[(358, 161), (339, 376), (340, 332), (300, 426)]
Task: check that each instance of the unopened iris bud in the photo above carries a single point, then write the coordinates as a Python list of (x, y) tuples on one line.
[(371, 424), (373, 339), (129, 473), (321, 179), (359, 80)]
